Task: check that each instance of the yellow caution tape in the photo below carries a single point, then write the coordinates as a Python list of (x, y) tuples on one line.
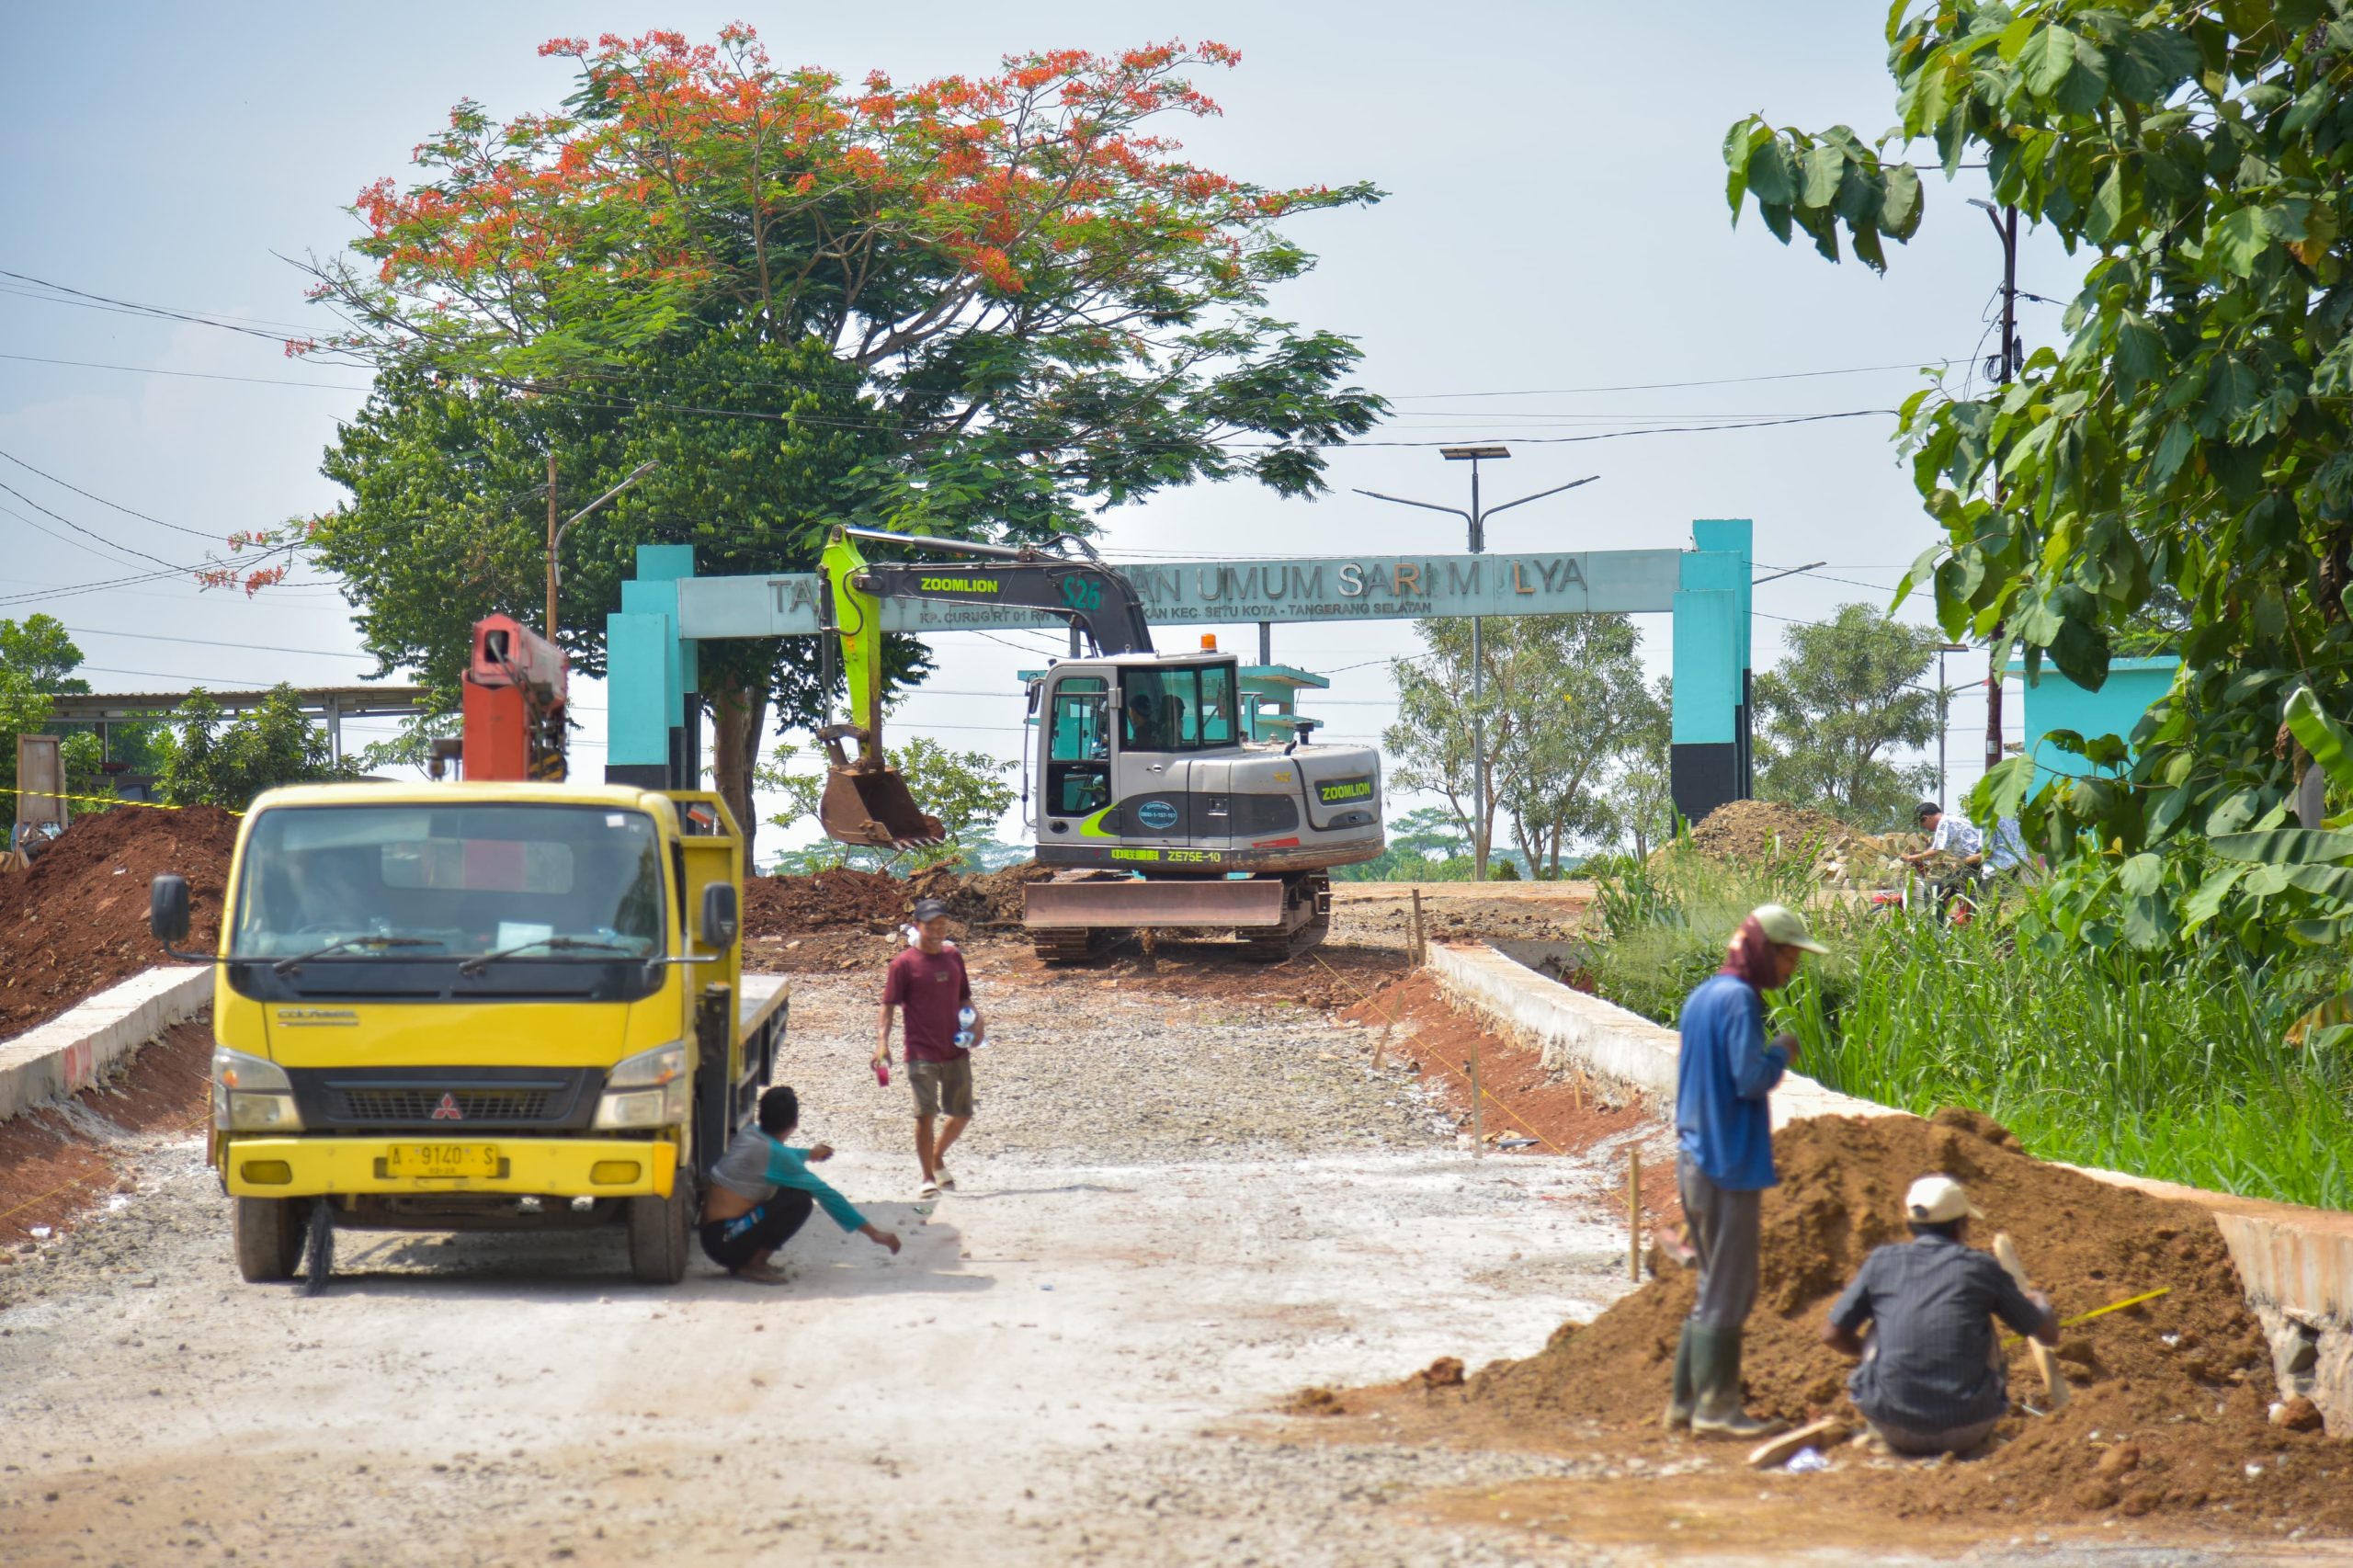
[(2010, 1339), (122, 801), (2117, 1306)]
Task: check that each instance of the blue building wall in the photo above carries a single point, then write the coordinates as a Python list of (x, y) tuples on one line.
[(2054, 703)]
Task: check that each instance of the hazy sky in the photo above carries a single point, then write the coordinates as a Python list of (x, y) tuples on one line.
[(1555, 224)]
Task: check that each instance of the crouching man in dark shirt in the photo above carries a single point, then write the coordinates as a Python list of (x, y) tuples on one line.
[(1932, 1379)]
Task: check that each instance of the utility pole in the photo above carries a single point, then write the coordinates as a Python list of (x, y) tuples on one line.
[(556, 531), (2006, 226), (1477, 518), (547, 621), (1944, 712)]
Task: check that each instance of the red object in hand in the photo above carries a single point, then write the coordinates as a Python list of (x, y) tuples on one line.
[(883, 1072)]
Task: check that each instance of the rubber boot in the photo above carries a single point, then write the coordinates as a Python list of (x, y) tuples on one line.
[(1715, 1355), (1679, 1401)]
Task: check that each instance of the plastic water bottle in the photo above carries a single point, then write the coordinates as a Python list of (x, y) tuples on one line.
[(964, 1021)]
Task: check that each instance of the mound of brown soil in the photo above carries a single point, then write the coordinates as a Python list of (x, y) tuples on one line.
[(991, 898), (76, 923), (2170, 1409), (792, 906), (1767, 830), (1763, 830), (777, 906)]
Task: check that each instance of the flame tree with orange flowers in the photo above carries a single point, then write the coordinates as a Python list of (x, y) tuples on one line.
[(985, 306)]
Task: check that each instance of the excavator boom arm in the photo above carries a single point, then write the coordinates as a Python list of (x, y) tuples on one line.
[(866, 801)]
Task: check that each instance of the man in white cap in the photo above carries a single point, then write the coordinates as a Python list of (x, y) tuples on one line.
[(1723, 1162), (1932, 1379)]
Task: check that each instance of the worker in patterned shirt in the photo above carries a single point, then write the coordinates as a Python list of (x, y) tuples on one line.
[(1932, 1380), (1956, 839)]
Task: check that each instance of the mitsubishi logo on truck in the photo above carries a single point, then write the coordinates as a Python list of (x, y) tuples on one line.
[(448, 1109)]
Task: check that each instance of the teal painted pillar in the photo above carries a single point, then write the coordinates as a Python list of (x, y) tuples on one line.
[(1709, 760), (1730, 543), (652, 737)]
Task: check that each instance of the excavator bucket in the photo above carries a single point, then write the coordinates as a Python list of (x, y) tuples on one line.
[(871, 806)]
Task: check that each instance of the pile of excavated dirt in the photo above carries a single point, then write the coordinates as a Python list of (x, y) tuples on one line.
[(775, 906), (988, 898), (2170, 1414), (1767, 830), (76, 922), (793, 906)]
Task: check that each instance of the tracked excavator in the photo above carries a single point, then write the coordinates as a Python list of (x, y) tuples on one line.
[(1145, 793)]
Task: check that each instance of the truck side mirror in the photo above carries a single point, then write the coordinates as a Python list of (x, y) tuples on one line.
[(167, 908), (718, 921)]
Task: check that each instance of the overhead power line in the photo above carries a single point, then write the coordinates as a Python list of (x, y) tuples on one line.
[(117, 505), (132, 307), (1663, 386), (193, 375), (92, 533)]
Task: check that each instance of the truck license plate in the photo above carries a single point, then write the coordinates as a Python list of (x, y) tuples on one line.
[(442, 1160)]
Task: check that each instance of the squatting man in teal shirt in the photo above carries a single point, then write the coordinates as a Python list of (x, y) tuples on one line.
[(761, 1192)]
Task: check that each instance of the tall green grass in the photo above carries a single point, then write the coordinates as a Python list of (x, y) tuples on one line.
[(1667, 920), (2172, 1064)]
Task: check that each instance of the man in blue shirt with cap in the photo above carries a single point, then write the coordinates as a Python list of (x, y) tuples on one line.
[(1724, 1160)]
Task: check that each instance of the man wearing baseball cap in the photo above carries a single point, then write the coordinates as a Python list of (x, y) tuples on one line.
[(1932, 1379), (928, 985), (1723, 1160)]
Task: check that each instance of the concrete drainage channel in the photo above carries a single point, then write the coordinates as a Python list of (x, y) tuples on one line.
[(2295, 1265)]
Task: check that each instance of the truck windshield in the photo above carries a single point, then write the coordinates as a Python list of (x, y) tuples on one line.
[(466, 879)]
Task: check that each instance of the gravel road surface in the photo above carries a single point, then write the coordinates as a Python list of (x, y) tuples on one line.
[(1171, 1215)]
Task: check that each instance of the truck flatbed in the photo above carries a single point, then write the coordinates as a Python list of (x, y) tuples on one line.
[(761, 996)]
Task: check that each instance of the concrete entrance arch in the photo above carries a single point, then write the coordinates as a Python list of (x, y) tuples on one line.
[(667, 610)]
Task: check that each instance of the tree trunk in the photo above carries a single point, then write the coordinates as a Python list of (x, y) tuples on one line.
[(738, 713)]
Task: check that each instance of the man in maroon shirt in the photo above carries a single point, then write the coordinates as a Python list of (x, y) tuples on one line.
[(927, 983)]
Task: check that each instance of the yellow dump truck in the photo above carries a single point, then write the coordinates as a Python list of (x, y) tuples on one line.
[(479, 1006)]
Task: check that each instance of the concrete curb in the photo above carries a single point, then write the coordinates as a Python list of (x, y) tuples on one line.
[(1571, 1027), (82, 1045), (2296, 1265)]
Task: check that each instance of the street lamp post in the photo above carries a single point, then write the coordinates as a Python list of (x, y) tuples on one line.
[(1477, 519), (557, 530)]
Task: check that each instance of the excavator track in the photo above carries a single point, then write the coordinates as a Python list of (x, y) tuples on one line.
[(1265, 945), (1068, 944)]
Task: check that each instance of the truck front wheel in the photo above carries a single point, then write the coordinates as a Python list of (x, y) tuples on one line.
[(658, 1229), (269, 1232)]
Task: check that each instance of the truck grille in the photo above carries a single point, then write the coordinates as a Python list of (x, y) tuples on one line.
[(425, 1098), (419, 1104)]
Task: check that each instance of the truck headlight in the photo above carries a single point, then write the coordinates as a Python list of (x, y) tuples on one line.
[(645, 1090), (251, 1094)]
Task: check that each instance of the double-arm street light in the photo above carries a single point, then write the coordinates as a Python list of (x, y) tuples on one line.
[(1477, 518)]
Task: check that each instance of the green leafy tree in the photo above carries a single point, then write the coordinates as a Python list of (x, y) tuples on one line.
[(981, 305), (1638, 805), (966, 791), (1561, 696), (39, 649), (24, 710), (2191, 433), (212, 762), (1843, 702), (1425, 844)]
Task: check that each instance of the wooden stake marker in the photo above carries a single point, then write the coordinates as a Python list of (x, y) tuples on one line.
[(1634, 1215)]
